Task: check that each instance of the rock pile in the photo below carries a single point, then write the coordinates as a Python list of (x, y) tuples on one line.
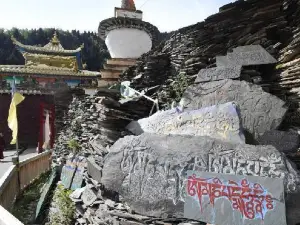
[(146, 172), (95, 123), (270, 23), (95, 206)]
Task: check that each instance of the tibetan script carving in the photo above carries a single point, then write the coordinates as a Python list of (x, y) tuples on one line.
[(153, 168), (251, 199)]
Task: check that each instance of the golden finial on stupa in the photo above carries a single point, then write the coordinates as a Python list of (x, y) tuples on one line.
[(55, 39), (128, 4)]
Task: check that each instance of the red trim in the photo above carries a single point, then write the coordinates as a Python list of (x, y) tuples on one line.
[(41, 134), (52, 125)]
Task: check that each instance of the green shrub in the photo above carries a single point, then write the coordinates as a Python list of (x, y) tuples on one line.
[(74, 146), (64, 205)]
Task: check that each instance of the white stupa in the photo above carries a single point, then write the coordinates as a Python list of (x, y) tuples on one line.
[(127, 37)]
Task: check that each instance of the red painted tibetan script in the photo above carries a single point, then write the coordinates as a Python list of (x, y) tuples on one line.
[(252, 200)]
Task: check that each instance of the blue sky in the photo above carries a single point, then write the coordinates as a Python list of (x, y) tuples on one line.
[(81, 15)]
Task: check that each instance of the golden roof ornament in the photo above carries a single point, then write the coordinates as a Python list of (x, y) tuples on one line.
[(55, 40), (128, 4)]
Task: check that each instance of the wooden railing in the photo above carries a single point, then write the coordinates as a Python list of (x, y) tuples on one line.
[(20, 175)]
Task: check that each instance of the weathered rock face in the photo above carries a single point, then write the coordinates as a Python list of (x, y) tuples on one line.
[(283, 141), (260, 111), (221, 122), (149, 170)]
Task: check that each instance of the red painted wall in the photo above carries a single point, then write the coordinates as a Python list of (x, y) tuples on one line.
[(28, 118)]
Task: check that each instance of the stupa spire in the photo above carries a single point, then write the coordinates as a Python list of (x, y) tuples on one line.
[(128, 4)]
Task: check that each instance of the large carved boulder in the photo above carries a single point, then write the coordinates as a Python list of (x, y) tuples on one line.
[(260, 111), (149, 171), (220, 122)]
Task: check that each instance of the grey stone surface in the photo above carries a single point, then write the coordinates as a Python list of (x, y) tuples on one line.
[(149, 171), (218, 73), (284, 141), (236, 200), (89, 196), (246, 56), (260, 111), (248, 48), (93, 169), (221, 122), (293, 209), (222, 61)]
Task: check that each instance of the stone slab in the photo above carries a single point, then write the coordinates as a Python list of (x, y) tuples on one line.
[(218, 73), (236, 200), (89, 196), (246, 56), (222, 61), (93, 169), (149, 171), (260, 111), (221, 122), (72, 173), (77, 193), (284, 141)]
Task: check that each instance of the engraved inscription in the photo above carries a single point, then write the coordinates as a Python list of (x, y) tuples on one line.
[(148, 170)]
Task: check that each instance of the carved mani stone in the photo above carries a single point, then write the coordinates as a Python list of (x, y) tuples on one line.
[(218, 73), (150, 170), (246, 56), (260, 111), (220, 122)]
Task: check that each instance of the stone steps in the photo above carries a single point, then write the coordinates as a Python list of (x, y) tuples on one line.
[(123, 62), (113, 68), (110, 73)]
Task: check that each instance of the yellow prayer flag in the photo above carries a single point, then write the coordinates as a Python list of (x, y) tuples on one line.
[(12, 116)]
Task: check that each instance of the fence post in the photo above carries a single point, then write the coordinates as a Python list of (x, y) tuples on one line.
[(15, 161)]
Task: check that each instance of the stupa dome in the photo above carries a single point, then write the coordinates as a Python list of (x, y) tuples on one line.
[(126, 35)]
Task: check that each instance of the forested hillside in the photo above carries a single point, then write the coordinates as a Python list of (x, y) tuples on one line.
[(94, 53)]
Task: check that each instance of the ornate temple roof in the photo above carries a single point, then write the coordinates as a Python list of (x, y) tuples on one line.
[(23, 70), (53, 47), (128, 4), (110, 24)]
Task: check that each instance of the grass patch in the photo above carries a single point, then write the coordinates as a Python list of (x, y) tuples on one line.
[(25, 205), (63, 207)]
